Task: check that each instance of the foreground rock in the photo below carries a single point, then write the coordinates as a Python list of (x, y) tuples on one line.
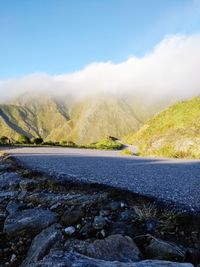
[(42, 243), (61, 259), (30, 220), (159, 249), (114, 248)]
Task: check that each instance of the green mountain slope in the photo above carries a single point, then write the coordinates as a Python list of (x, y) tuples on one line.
[(174, 132), (94, 119), (85, 121), (35, 117)]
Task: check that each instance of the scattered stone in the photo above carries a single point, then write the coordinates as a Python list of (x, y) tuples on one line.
[(151, 225), (162, 250), (70, 230), (55, 206), (102, 233), (104, 213), (99, 222), (30, 221), (42, 244), (13, 258), (114, 205), (28, 184), (72, 216), (128, 216), (9, 181)]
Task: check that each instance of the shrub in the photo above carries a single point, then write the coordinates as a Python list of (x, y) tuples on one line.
[(37, 140), (4, 140), (23, 139), (107, 143), (48, 143)]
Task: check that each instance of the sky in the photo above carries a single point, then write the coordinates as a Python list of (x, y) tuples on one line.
[(57, 37), (149, 49)]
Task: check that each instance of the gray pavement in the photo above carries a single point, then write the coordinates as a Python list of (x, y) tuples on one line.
[(173, 180)]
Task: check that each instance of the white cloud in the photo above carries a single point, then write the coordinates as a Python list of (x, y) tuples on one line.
[(172, 69)]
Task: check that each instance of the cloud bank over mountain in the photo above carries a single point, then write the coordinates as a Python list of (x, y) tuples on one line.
[(171, 69)]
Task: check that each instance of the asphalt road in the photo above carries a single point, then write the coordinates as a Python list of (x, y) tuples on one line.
[(176, 181)]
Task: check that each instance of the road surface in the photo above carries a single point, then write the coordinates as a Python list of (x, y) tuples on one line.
[(176, 181)]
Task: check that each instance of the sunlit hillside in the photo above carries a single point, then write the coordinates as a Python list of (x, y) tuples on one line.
[(174, 132)]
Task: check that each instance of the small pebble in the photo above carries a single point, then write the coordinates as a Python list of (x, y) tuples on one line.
[(13, 258), (99, 222), (70, 230)]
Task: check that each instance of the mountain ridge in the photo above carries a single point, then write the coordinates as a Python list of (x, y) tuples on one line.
[(83, 121)]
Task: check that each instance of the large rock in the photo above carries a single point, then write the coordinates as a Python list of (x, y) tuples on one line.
[(9, 181), (42, 244), (29, 221), (60, 259), (114, 247), (162, 250)]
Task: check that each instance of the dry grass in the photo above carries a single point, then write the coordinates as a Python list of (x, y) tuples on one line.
[(146, 211)]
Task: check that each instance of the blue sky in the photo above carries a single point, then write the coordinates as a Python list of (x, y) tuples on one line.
[(60, 36)]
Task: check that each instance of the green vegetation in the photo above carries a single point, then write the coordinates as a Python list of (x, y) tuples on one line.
[(108, 144), (126, 152), (174, 132), (23, 139)]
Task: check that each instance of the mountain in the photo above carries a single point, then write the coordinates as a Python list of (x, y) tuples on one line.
[(83, 121), (31, 117), (174, 132)]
